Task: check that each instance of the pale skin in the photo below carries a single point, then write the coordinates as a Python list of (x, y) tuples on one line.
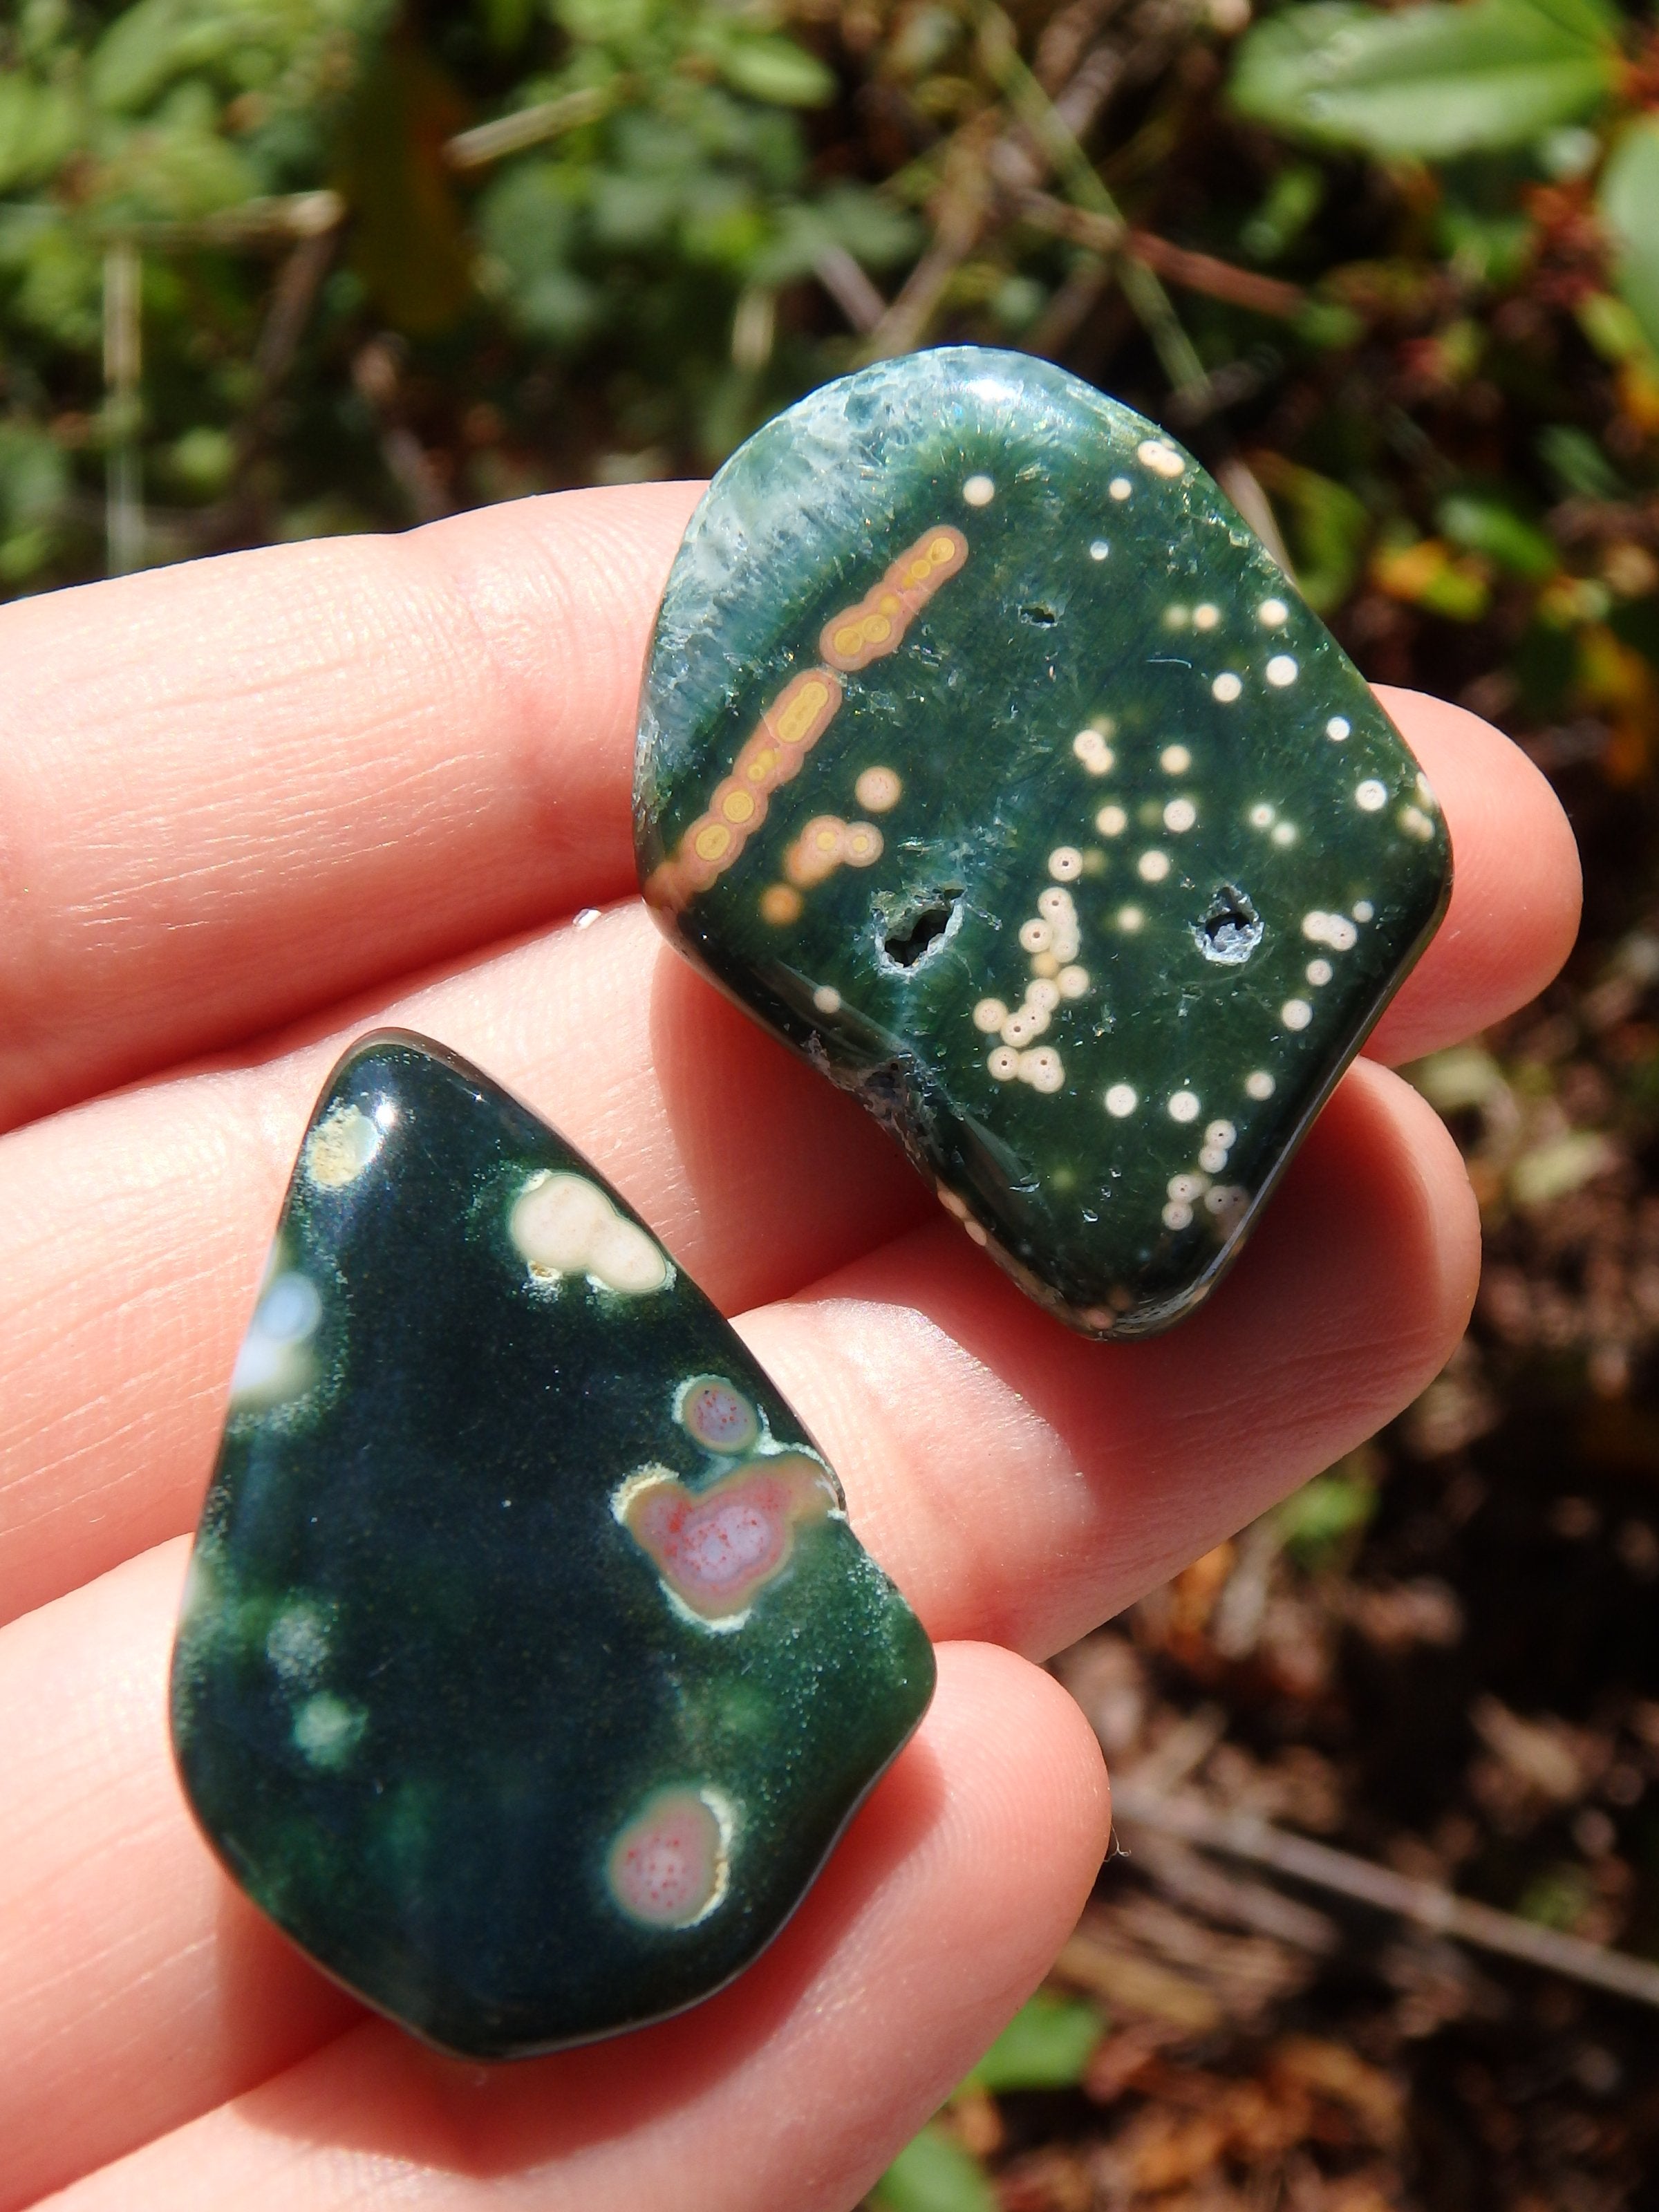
[(251, 807)]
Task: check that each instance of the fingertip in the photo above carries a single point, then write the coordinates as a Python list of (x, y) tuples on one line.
[(1517, 886)]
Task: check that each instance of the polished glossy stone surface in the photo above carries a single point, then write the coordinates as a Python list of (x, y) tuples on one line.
[(986, 757), (528, 1668)]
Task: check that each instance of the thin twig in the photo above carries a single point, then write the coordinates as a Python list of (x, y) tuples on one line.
[(1194, 272), (849, 287), (255, 222), (1039, 115), (532, 126), (123, 510), (1245, 1836)]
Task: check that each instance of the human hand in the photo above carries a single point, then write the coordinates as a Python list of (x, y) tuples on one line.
[(250, 808)]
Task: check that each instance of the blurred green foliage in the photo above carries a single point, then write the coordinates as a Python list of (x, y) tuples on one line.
[(273, 267)]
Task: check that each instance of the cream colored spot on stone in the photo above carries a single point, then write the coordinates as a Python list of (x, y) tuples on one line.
[(1284, 833), (1092, 749), (1120, 487), (877, 789), (826, 998), (1183, 1106), (1043, 1069), (1222, 1133), (979, 491), (1004, 1063), (1035, 935), (563, 1225), (1296, 1013), (1099, 550), (1416, 823), (1177, 1214), (1364, 910), (1281, 670), (1260, 1084), (1175, 760), (1152, 867), (953, 1204), (1371, 796), (1073, 982), (1226, 687), (1065, 864), (1180, 815), (1163, 460), (1111, 821), (1129, 919), (1320, 972), (1338, 728), (976, 1231), (1261, 816), (326, 1729), (1122, 1100), (989, 1015), (1272, 614), (1205, 616), (339, 1148)]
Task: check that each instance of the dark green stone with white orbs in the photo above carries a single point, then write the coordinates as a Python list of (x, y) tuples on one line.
[(986, 757), (528, 1667)]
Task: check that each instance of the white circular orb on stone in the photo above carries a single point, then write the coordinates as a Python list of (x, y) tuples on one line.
[(1121, 1099), (826, 998), (1261, 816), (1064, 863), (1363, 910), (1175, 760), (1296, 1013), (1111, 822), (1183, 1106), (1120, 487), (1099, 550), (1260, 1084), (1371, 796), (1152, 867), (1320, 973), (1226, 687), (1285, 833), (1272, 614), (1205, 616), (1129, 919), (979, 491), (1163, 460), (1338, 728), (1180, 814), (1281, 670)]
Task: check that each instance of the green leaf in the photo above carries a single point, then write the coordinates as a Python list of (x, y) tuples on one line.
[(1577, 463), (1314, 1520), (778, 70), (1629, 201), (1430, 82), (1483, 525), (1046, 2045), (37, 130), (934, 2173)]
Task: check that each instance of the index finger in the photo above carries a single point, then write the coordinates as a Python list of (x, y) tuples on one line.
[(235, 790)]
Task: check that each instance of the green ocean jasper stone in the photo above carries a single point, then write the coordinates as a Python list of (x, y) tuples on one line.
[(988, 758), (528, 1668)]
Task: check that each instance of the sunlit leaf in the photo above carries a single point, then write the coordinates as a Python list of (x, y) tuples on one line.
[(1046, 2045), (1481, 523), (36, 129), (1629, 202), (934, 2173), (1432, 80), (776, 70)]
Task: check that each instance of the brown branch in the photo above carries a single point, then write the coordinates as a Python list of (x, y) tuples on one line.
[(1194, 272), (1245, 1836)]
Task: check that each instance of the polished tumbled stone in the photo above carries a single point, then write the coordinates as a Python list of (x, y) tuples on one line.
[(528, 1668), (988, 758)]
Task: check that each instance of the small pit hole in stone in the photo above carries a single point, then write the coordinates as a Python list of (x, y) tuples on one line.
[(912, 933), (1039, 614), (1230, 929)]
